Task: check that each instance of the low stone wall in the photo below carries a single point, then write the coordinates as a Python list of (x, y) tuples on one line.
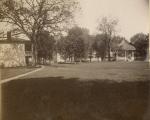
[(12, 55)]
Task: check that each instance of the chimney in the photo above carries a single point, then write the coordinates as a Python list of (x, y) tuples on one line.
[(9, 35)]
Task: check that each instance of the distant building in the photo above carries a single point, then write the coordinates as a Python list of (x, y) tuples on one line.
[(124, 51), (15, 52), (148, 55), (92, 57)]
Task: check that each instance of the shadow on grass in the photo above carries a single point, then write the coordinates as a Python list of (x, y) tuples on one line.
[(56, 98)]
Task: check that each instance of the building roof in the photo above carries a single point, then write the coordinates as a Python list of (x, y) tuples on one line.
[(14, 40), (123, 45)]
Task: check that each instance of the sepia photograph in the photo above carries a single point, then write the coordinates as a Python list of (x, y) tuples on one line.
[(74, 60)]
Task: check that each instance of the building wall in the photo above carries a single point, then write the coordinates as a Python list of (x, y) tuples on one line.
[(12, 54), (59, 58)]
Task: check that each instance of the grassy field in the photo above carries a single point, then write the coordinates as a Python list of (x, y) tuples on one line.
[(12, 72), (80, 92), (117, 71)]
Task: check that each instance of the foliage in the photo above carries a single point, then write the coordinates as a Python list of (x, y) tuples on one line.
[(30, 17), (64, 48), (107, 26), (73, 45), (45, 46), (116, 40), (140, 41), (78, 36), (100, 46)]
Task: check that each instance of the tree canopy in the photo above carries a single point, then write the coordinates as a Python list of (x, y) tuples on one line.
[(31, 17), (107, 26), (140, 41), (73, 45), (45, 46), (99, 46)]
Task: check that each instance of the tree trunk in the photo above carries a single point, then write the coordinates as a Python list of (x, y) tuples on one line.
[(80, 60), (102, 58), (109, 50), (98, 59), (90, 59), (109, 57), (34, 51), (34, 40)]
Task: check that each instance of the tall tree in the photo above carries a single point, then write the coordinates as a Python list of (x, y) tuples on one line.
[(64, 48), (90, 47), (73, 45), (100, 46), (107, 26), (116, 40), (30, 17), (45, 46), (75, 37), (87, 41), (140, 41)]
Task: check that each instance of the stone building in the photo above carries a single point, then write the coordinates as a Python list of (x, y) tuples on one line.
[(15, 52)]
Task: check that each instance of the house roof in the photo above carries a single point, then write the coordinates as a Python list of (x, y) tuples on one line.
[(14, 40), (123, 45)]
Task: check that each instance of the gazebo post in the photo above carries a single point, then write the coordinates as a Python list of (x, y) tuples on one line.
[(116, 55), (125, 56), (132, 55)]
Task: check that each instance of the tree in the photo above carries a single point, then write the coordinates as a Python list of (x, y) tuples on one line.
[(140, 41), (89, 47), (73, 45), (87, 42), (116, 40), (45, 46), (64, 48), (100, 46), (30, 17), (107, 26), (77, 43)]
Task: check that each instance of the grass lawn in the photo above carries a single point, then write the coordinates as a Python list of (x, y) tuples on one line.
[(12, 72), (80, 92), (116, 71)]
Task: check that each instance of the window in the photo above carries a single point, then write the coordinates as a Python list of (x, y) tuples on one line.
[(28, 47)]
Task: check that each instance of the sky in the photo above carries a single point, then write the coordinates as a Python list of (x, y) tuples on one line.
[(133, 15)]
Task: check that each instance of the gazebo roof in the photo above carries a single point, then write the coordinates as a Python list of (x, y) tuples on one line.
[(123, 45)]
